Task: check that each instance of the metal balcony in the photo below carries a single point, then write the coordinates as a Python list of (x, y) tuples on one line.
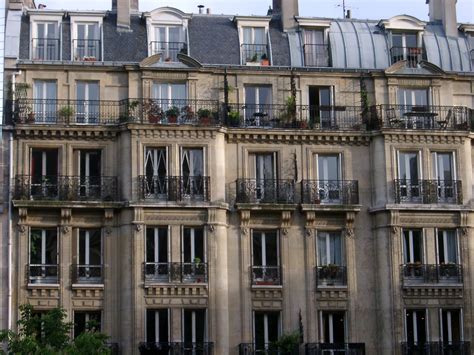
[(87, 50), (265, 275), (264, 349), (168, 50), (175, 272), (45, 49), (316, 55), (87, 274), (428, 191), (253, 53), (335, 349), (330, 192), (65, 188), (43, 273), (176, 348), (436, 348), (416, 274), (174, 188), (272, 191), (413, 55), (331, 275)]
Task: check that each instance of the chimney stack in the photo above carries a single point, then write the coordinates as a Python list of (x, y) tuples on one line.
[(208, 11), (286, 10), (200, 7), (444, 11), (124, 8)]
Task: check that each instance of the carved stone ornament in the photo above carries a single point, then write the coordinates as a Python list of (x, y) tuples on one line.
[(138, 227), (395, 230), (211, 228), (108, 230), (22, 228), (284, 231), (245, 231), (286, 220), (309, 232), (350, 233), (65, 229), (464, 232)]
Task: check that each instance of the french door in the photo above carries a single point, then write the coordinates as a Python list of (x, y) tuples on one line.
[(157, 266), (88, 104), (90, 173)]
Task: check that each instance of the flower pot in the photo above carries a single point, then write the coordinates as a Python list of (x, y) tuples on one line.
[(154, 118), (31, 117), (265, 62), (172, 119), (205, 121)]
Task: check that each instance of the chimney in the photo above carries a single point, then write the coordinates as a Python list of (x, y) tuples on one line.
[(124, 8), (444, 11), (200, 7), (286, 10), (208, 11)]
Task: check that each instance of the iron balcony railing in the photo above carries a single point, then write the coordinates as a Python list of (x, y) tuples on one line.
[(253, 53), (171, 111), (413, 55), (265, 349), (176, 348), (45, 49), (265, 191), (331, 275), (175, 272), (87, 274), (53, 111), (168, 50), (316, 55), (43, 273), (87, 49), (265, 275), (428, 191), (299, 116), (335, 349), (175, 188), (425, 117), (415, 274), (330, 192), (65, 188), (437, 348)]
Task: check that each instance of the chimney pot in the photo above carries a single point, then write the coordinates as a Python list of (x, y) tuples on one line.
[(200, 7), (208, 11)]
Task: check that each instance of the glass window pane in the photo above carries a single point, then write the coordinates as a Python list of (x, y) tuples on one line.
[(259, 35)]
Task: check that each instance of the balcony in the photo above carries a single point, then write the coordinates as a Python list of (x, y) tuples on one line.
[(45, 49), (175, 188), (418, 274), (168, 50), (175, 272), (266, 275), (428, 191), (81, 112), (330, 192), (265, 191), (335, 349), (331, 275), (316, 55), (435, 348), (289, 116), (254, 54), (413, 55), (43, 273), (65, 188), (264, 349), (426, 117), (87, 274), (176, 348), (88, 50)]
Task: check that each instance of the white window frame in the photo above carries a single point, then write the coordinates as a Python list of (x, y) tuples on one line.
[(87, 246), (434, 163), (419, 158), (263, 243), (157, 323), (204, 158), (35, 19), (192, 236), (461, 320), (87, 19), (458, 249), (423, 245), (155, 152), (415, 330), (316, 167), (328, 249), (193, 323), (331, 325), (265, 325), (245, 21)]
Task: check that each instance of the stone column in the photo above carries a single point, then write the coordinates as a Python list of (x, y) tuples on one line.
[(245, 289), (310, 318), (64, 261)]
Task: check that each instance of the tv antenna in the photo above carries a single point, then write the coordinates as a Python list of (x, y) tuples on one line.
[(345, 9)]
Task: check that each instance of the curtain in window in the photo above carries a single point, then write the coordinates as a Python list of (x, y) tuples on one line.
[(330, 249)]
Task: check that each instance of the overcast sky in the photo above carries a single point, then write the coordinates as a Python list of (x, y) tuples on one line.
[(362, 9)]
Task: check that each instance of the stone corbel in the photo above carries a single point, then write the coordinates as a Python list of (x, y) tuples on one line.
[(108, 220), (285, 222), (310, 223), (244, 222), (66, 216), (349, 228), (22, 220)]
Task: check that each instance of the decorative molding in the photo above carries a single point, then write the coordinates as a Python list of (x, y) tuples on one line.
[(61, 132), (22, 220), (424, 138), (349, 228), (66, 216), (433, 292), (173, 133), (285, 222), (327, 138)]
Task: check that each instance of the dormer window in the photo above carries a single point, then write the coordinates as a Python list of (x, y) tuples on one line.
[(406, 46), (315, 48), (254, 45), (45, 35), (86, 43), (169, 41)]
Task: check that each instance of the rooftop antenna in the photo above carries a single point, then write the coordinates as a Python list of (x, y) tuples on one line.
[(345, 12)]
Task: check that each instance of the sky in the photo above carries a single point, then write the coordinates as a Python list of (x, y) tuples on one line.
[(361, 9)]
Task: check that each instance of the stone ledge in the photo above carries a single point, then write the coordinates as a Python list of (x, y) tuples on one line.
[(330, 293), (267, 293), (432, 292), (195, 290)]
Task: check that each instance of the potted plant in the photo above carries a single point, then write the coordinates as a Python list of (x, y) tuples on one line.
[(253, 60), (264, 60), (172, 114), (153, 111), (131, 108), (234, 118), (287, 344), (204, 115), (188, 114), (288, 115), (199, 270), (65, 113)]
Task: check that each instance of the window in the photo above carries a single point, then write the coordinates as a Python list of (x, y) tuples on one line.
[(266, 258), (89, 167), (262, 168), (267, 329), (169, 100), (409, 188), (89, 268), (44, 173), (88, 104), (320, 106), (45, 104), (194, 328), (45, 41), (87, 42), (332, 327), (169, 41), (84, 321), (416, 326), (451, 326), (413, 249), (156, 171), (43, 256), (316, 50), (443, 172), (254, 44), (193, 255), (157, 266), (329, 178), (413, 97), (448, 259), (158, 326), (331, 260), (258, 105), (192, 169), (405, 47)]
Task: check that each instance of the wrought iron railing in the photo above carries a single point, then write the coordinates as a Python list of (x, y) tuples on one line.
[(436, 348), (168, 50), (335, 192), (87, 274), (175, 272), (65, 188), (176, 348), (331, 275), (316, 55), (174, 188), (413, 55), (253, 52), (265, 191), (335, 349), (265, 349), (428, 191), (87, 49), (414, 274), (425, 117), (45, 49), (43, 273), (265, 275)]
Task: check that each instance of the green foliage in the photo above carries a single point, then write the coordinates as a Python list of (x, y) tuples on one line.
[(49, 334), (288, 343)]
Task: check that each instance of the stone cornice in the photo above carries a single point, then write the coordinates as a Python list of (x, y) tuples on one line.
[(64, 132), (425, 137)]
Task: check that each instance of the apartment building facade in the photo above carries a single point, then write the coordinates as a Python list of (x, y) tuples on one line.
[(202, 183)]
